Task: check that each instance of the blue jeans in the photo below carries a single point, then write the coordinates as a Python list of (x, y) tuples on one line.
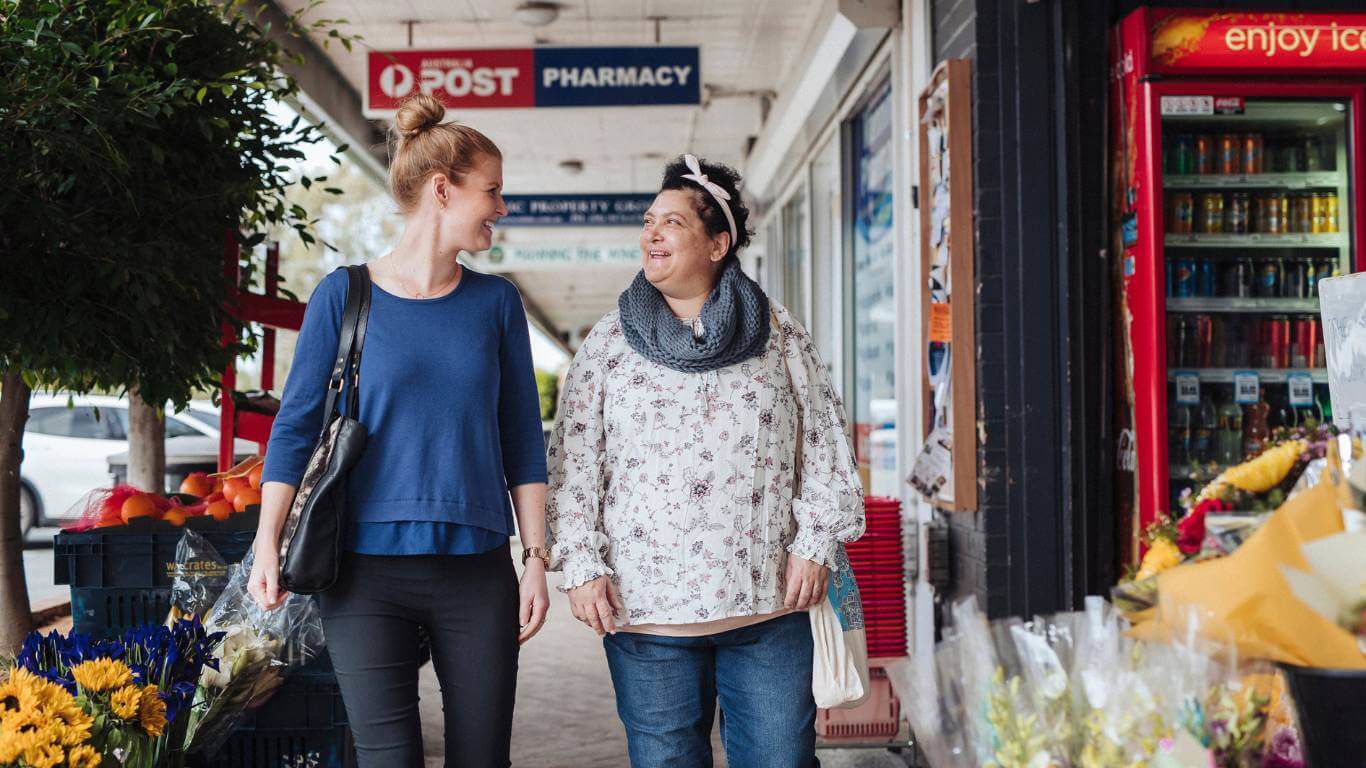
[(668, 687)]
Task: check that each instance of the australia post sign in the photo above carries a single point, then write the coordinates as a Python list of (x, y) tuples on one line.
[(533, 77)]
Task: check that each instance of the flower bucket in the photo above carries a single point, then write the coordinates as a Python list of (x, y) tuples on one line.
[(1331, 704)]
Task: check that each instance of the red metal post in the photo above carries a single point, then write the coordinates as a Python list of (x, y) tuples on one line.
[(227, 414)]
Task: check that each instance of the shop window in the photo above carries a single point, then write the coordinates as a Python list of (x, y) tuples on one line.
[(872, 334)]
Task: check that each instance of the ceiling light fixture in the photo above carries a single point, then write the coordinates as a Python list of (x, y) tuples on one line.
[(536, 13)]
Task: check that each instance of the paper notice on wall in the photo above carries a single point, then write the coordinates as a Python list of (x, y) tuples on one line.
[(941, 322), (934, 466), (1342, 304)]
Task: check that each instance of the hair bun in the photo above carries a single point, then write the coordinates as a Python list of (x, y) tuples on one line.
[(417, 114)]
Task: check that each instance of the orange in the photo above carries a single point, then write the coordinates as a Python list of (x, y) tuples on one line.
[(174, 516), (138, 506), (244, 497), (111, 508), (232, 486), (219, 510), (254, 477), (197, 484), (108, 522)]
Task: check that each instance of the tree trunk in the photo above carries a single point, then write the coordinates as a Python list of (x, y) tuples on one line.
[(146, 445), (16, 616)]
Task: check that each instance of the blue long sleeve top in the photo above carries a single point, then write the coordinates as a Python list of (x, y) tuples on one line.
[(448, 396)]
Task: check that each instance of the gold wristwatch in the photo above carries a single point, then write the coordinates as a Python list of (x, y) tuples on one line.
[(538, 553)]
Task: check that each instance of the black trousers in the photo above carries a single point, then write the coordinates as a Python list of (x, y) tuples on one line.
[(468, 606)]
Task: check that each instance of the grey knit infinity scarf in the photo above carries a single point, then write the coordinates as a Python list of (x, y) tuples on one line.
[(734, 322)]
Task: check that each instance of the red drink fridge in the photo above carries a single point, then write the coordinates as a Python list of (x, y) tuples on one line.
[(1235, 143)]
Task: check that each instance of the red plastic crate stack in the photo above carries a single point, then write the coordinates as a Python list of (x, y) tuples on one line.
[(878, 568)]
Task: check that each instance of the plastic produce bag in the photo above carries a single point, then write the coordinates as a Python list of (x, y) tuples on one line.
[(257, 648), (198, 577)]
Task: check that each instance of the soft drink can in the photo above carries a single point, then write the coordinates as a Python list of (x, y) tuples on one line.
[(1177, 341), (1306, 343), (1290, 159), (1313, 155), (1204, 278), (1269, 278), (1183, 154), (1218, 345), (1183, 278), (1204, 338), (1238, 278), (1236, 218), (1275, 210), (1276, 342), (1237, 344), (1302, 214), (1326, 267), (1318, 209), (1204, 153), (1212, 212), (1183, 213), (1230, 154), (1295, 278), (1252, 153), (1320, 359), (1330, 211)]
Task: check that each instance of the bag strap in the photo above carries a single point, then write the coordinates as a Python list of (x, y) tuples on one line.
[(358, 345), (345, 339)]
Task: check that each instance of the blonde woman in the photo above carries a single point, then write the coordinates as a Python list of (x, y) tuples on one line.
[(448, 396), (692, 529)]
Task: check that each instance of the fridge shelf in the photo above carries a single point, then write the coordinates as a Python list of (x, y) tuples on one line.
[(1199, 473), (1258, 240), (1265, 375), (1216, 304), (1301, 180)]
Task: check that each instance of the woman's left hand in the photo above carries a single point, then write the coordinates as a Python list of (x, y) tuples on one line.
[(533, 600), (806, 582)]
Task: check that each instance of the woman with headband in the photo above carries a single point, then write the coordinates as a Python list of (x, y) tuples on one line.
[(701, 482)]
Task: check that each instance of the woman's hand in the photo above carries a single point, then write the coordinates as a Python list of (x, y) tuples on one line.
[(264, 582), (534, 599), (806, 583), (593, 604)]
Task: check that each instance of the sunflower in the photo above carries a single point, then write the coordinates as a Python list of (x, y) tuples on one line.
[(45, 755), (152, 712), (42, 706), (98, 675), (125, 702), (83, 756), (28, 737)]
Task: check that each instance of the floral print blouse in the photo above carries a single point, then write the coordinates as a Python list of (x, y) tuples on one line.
[(684, 488)]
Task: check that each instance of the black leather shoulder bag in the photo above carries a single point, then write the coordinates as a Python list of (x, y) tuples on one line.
[(310, 547)]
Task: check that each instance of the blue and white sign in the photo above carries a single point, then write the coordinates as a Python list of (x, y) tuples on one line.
[(604, 77), (608, 210)]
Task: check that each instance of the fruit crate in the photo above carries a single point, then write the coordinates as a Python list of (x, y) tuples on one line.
[(121, 577), (303, 724), (878, 718)]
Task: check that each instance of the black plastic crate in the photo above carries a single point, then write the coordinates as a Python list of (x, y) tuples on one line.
[(285, 748), (101, 612), (137, 556), (303, 724)]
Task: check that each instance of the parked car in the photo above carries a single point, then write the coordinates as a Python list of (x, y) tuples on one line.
[(67, 451)]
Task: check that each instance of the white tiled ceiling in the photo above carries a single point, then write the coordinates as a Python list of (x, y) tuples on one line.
[(746, 45)]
